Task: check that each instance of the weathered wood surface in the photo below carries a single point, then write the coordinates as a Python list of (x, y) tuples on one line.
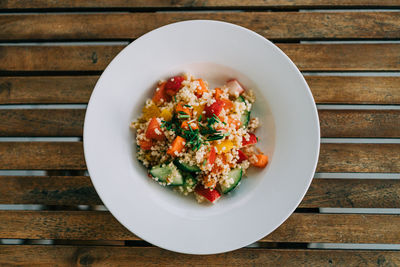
[(300, 227), (77, 89), (78, 190), (272, 25), (307, 57), (138, 4), (69, 156), (69, 122), (151, 257)]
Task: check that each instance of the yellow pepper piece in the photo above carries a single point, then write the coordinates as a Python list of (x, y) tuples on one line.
[(150, 112), (224, 147), (166, 114), (198, 109)]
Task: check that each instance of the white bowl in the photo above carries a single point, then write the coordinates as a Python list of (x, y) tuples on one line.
[(289, 135)]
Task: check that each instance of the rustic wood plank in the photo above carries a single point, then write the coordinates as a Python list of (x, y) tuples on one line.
[(308, 57), (359, 158), (272, 25), (359, 123), (42, 155), (69, 122), (355, 89), (78, 190), (41, 122), (352, 193), (77, 89), (44, 4), (50, 190), (69, 155), (48, 89), (300, 227), (144, 256)]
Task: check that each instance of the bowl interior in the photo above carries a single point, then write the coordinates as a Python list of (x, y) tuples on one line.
[(289, 135)]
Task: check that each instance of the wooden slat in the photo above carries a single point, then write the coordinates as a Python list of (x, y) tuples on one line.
[(61, 89), (300, 227), (353, 193), (77, 89), (78, 190), (69, 155), (275, 25), (145, 256), (53, 190), (69, 122), (355, 89), (308, 57), (41, 122), (45, 4), (359, 123), (42, 155)]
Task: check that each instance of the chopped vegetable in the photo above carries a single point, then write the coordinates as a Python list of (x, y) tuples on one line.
[(150, 111), (201, 89), (252, 140), (242, 156), (173, 85), (145, 144), (166, 114), (154, 130), (224, 146), (182, 110), (218, 93), (211, 156), (160, 95), (234, 88), (214, 108), (193, 125), (176, 146), (262, 161), (211, 195)]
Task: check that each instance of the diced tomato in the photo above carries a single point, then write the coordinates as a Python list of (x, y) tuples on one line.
[(201, 89), (242, 156), (160, 94), (154, 130), (182, 108), (211, 195), (252, 140), (262, 161), (173, 85), (212, 155), (145, 144), (177, 146), (234, 87), (214, 108)]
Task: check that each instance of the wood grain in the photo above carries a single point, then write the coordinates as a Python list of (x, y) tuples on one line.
[(359, 123), (78, 190), (45, 4), (272, 25), (41, 122), (145, 256), (308, 57), (69, 122), (355, 89), (77, 89), (300, 227), (47, 89), (42, 155), (69, 156)]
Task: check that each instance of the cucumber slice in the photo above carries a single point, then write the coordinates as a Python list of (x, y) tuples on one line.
[(245, 117), (236, 175), (167, 174), (186, 167)]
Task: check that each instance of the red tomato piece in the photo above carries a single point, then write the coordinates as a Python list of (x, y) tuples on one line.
[(210, 195), (252, 140), (160, 95), (242, 156), (173, 85), (154, 130), (214, 108), (211, 156)]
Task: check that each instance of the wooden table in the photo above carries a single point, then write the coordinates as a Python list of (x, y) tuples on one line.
[(52, 53)]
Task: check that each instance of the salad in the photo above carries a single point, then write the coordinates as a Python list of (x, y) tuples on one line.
[(196, 139)]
